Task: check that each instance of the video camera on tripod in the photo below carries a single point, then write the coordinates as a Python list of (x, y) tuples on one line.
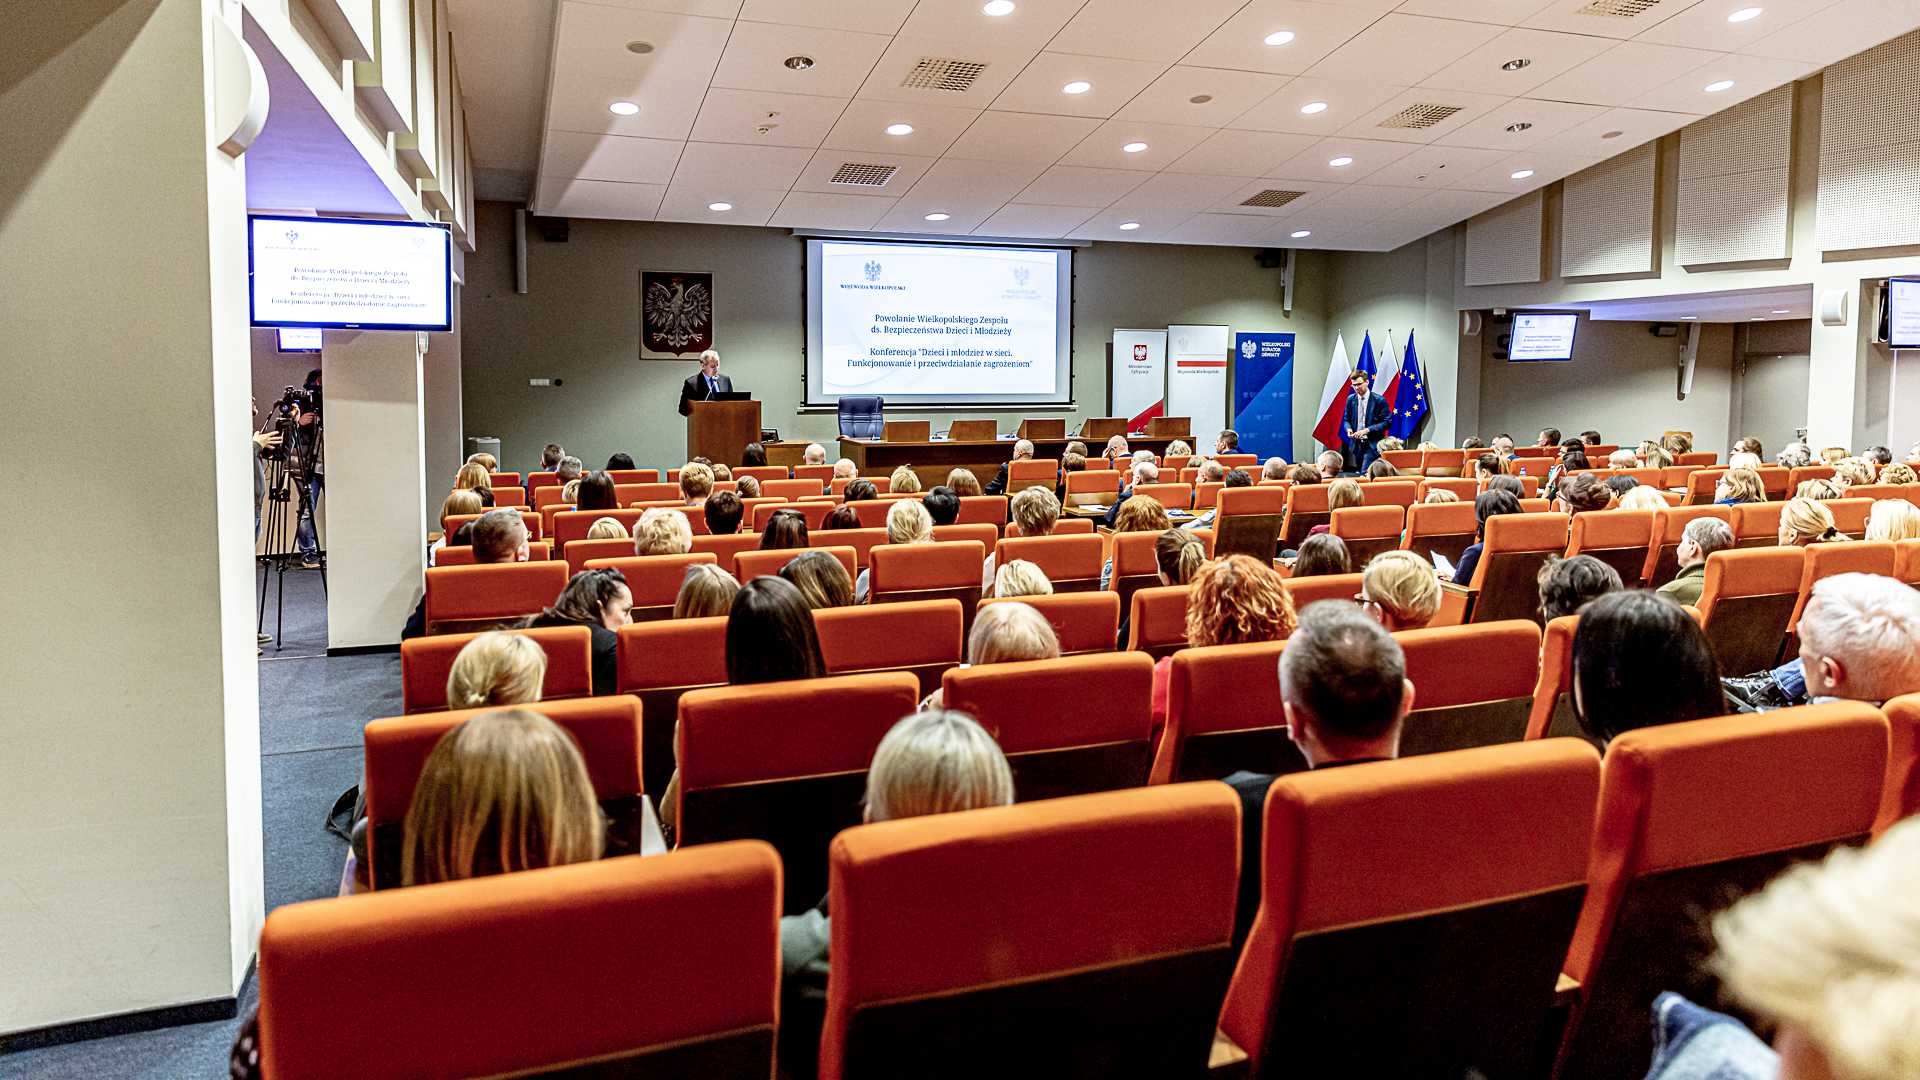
[(285, 421)]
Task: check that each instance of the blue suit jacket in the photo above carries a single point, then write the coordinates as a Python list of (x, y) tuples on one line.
[(1379, 417)]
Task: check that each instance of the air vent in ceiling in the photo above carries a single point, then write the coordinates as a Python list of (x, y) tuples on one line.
[(1419, 115), (1617, 9), (864, 175), (1273, 197), (934, 73)]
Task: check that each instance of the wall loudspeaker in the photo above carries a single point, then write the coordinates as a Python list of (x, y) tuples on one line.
[(1470, 323), (1833, 307)]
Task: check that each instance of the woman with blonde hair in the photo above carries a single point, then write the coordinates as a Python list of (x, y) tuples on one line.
[(905, 481), (1851, 471), (1139, 513), (570, 492), (1643, 497), (1893, 519), (1177, 449), (662, 531), (473, 477), (1817, 489), (497, 668), (1833, 455), (462, 502), (1005, 634), (1440, 495), (1743, 461), (705, 592), (1737, 486), (964, 483), (1677, 443), (485, 461), (607, 528), (822, 579), (1899, 473), (1179, 555), (1019, 577), (1400, 591), (907, 523), (1803, 522), (1654, 456)]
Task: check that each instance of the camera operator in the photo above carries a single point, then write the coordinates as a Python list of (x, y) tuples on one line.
[(306, 462), (263, 441)]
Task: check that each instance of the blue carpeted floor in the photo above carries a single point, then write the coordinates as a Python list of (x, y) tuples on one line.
[(312, 708)]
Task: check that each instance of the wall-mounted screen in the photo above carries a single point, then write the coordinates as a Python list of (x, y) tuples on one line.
[(349, 274), (932, 324), (1903, 313), (299, 339), (1543, 337)]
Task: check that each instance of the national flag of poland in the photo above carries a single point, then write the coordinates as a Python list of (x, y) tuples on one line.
[(1390, 387), (1333, 397)]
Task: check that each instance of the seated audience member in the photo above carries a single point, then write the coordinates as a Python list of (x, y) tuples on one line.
[(1381, 469), (1275, 469), (1817, 490), (1620, 485), (1573, 458), (1581, 493), (499, 536), (1472, 442), (747, 487), (706, 592), (942, 504), (844, 469), (1701, 538), (569, 469), (1640, 660), (1144, 472), (1859, 640), (1749, 446), (814, 454), (1330, 464), (600, 601), (1391, 442), (1877, 456), (1503, 446), (1322, 554), (1489, 465), (1035, 512), (1551, 437), (721, 472), (1851, 471), (1400, 590), (1899, 473), (1238, 478), (1833, 455), (963, 482), (1227, 442), (861, 488), (1623, 459), (1194, 462), (770, 636), (696, 483), (619, 461), (905, 481), (1567, 585), (723, 513), (1795, 455), (570, 492), (1512, 485), (753, 456), (1233, 600), (1069, 463), (1213, 472), (607, 528), (1440, 495), (1304, 474), (1591, 438), (461, 502), (1677, 443), (596, 493), (485, 461), (1489, 504), (1021, 578), (1022, 451), (841, 517), (496, 668), (822, 579), (787, 528), (1653, 456), (1141, 514), (1005, 634), (1803, 522), (1738, 460), (661, 531), (1077, 447), (1116, 451), (907, 523), (1642, 497), (550, 458), (462, 536), (1344, 494), (1893, 519), (473, 477), (1737, 486), (1178, 556), (1178, 449)]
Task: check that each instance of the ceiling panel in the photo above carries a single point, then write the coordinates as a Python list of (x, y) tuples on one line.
[(721, 163), (610, 157), (864, 15), (819, 210), (1840, 31), (790, 119), (579, 103), (1382, 236), (1172, 195), (1106, 146), (1234, 229), (685, 47), (1622, 72), (1543, 120), (1471, 106), (1105, 225), (1499, 12), (1068, 185), (863, 126), (1751, 76), (909, 216), (1446, 207), (1345, 101), (1366, 202), (819, 172), (1548, 55), (598, 199), (1567, 16), (1435, 167), (756, 53), (1316, 161), (971, 182), (1170, 100), (1317, 29), (1141, 29), (689, 202), (716, 9), (1003, 62), (1113, 83), (1705, 25), (1043, 222), (1242, 153), (1030, 25), (1030, 137), (1403, 49), (1545, 167), (1628, 128)]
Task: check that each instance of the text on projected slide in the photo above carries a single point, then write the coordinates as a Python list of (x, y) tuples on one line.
[(938, 320), (363, 274)]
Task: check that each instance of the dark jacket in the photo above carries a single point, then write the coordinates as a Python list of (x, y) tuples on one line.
[(606, 646), (1378, 417), (997, 485), (695, 389)]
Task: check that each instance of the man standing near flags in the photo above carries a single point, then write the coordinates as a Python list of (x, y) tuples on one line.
[(1367, 419)]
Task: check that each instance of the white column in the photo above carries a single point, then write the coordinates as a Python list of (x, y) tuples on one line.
[(376, 484), (1834, 361)]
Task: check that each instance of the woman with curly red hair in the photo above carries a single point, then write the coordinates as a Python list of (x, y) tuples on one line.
[(1233, 600)]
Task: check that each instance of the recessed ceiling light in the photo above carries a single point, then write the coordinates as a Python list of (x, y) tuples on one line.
[(1076, 88), (1521, 126), (1200, 99), (1780, 311), (1312, 107), (1716, 87), (1129, 225), (720, 206), (1522, 174), (1515, 65), (1340, 161), (798, 63), (1685, 317), (1744, 14), (1298, 233), (1279, 37), (1758, 318), (1134, 147), (641, 47), (899, 129), (943, 217), (623, 108), (1613, 134), (997, 8)]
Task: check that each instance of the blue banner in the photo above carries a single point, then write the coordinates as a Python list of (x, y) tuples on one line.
[(1263, 394)]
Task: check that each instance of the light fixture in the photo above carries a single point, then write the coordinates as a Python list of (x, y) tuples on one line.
[(943, 217), (1076, 87), (997, 8), (1780, 311), (1200, 99), (1521, 126), (1129, 225), (899, 129), (1515, 65), (798, 63), (720, 206), (1613, 134), (1758, 318), (1340, 161), (1684, 318), (1521, 175), (1134, 147), (1298, 233), (1716, 87), (623, 108), (1279, 37), (1312, 107), (640, 47), (1744, 14)]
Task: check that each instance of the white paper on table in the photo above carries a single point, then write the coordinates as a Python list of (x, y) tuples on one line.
[(1441, 564)]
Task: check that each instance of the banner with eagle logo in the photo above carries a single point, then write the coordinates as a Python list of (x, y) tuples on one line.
[(676, 314)]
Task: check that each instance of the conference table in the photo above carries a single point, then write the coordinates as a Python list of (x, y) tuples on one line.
[(932, 459)]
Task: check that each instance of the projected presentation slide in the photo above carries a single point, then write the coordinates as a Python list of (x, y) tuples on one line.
[(372, 275), (929, 320), (1543, 337), (1903, 313)]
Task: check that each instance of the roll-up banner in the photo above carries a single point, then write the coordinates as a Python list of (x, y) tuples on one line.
[(1139, 376), (1263, 393), (1197, 381)]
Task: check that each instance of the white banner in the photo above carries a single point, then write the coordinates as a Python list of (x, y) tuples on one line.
[(1197, 381), (1139, 376)]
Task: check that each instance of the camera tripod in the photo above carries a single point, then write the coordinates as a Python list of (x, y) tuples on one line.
[(277, 531)]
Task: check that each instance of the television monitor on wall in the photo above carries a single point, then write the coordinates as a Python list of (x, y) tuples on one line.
[(1903, 313), (1539, 336), (299, 339), (349, 274)]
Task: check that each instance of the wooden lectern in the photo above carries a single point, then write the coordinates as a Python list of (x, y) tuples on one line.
[(720, 430)]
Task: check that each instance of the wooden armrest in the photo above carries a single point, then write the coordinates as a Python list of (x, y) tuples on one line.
[(1227, 1061), (1566, 992), (1455, 588)]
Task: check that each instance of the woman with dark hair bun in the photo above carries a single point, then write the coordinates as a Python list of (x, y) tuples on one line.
[(619, 461), (770, 635), (1581, 493), (600, 601), (785, 529), (596, 493), (1640, 660), (843, 517)]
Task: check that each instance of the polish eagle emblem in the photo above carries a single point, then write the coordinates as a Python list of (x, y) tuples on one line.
[(677, 313)]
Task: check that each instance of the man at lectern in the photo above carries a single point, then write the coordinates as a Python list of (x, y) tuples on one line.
[(708, 385)]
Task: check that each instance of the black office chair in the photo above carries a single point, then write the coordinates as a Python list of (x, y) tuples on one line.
[(862, 417)]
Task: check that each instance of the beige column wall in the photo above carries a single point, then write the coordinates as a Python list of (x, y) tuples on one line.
[(376, 484)]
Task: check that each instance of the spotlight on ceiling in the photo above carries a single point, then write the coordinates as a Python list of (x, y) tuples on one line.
[(1780, 311), (1340, 161), (1134, 147), (943, 217), (1279, 37), (1744, 14), (1689, 316), (1200, 99), (1716, 87), (722, 207), (997, 8), (1298, 233), (623, 108), (1521, 126), (798, 63), (899, 129), (1613, 134), (1076, 87), (1515, 65), (640, 47), (1129, 225), (1521, 175), (1312, 107)]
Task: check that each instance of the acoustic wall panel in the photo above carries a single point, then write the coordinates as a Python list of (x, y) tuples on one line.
[(1870, 149), (1734, 183), (1503, 244), (1607, 217)]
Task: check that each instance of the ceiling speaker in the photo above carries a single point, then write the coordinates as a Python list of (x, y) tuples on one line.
[(1470, 323), (1833, 307)]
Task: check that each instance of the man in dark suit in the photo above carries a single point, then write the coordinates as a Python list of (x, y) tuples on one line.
[(706, 385), (1022, 451), (1366, 422)]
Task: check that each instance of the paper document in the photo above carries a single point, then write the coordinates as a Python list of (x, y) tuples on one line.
[(1441, 564)]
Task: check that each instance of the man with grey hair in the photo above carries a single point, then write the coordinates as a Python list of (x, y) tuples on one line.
[(1213, 473), (1795, 455), (1329, 463), (1859, 641), (1144, 472), (569, 469), (814, 454), (1702, 537), (1022, 451), (707, 384), (1274, 469), (845, 469)]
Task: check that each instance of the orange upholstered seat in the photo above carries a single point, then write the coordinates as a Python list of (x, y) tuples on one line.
[(607, 730), (1074, 526), (1311, 590), (669, 966), (1900, 798), (1463, 489), (1038, 472), (1085, 622), (1135, 566), (1407, 461), (1205, 495), (543, 479), (1079, 937), (752, 564), (1696, 459), (1446, 528), (838, 485), (763, 473), (1306, 506), (488, 596), (862, 541), (1071, 562), (1701, 484), (1849, 515), (628, 494), (936, 571), (1693, 815), (1773, 481), (1157, 620), (815, 513), (1619, 538), (1413, 914), (1443, 463), (1093, 487), (985, 535), (1224, 714), (784, 762), (658, 662), (581, 552), (822, 473), (1238, 461), (792, 489), (537, 551), (633, 476), (920, 637), (1369, 530), (654, 580), (572, 525), (1069, 726), (503, 479), (724, 549), (1473, 685), (1249, 520), (1827, 560), (1747, 603), (510, 496), (1171, 496), (545, 496), (1552, 712), (1505, 580), (425, 663), (1757, 524), (1906, 561), (1391, 492), (531, 519), (1669, 528), (1808, 472), (982, 510)]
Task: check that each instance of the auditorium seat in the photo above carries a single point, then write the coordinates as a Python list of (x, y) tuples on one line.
[(1068, 726), (1900, 797), (549, 512), (654, 580), (791, 489), (1368, 530), (570, 525), (1390, 491), (1464, 490), (1538, 468), (1746, 603), (1312, 590), (658, 662), (1085, 622), (750, 505), (531, 519), (503, 479), (628, 494), (748, 565), (873, 512), (1701, 484), (784, 762), (1157, 620), (838, 485), (1443, 463), (1407, 461), (1669, 528), (982, 510), (581, 552), (1537, 506), (1205, 495), (607, 730), (1505, 581), (984, 535), (1249, 462), (815, 514), (696, 517), (1695, 460), (1804, 473), (822, 473), (1093, 487), (862, 541), (1135, 565), (1691, 817), (667, 966), (544, 497), (1827, 560), (510, 496), (1413, 914), (1072, 562), (1647, 477), (633, 476), (1224, 714), (1306, 506), (1756, 524), (1472, 685), (1248, 521), (1773, 481), (923, 638), (543, 479), (1849, 515), (1552, 714), (1074, 526), (490, 596), (763, 473), (426, 662), (1906, 561), (725, 548), (1081, 937), (539, 551), (1035, 472), (1170, 496), (1619, 538), (1446, 528)]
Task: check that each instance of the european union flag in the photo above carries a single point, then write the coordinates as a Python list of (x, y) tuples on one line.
[(1366, 359), (1410, 398)]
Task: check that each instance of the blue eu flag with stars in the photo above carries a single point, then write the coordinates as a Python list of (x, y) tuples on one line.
[(1410, 396)]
